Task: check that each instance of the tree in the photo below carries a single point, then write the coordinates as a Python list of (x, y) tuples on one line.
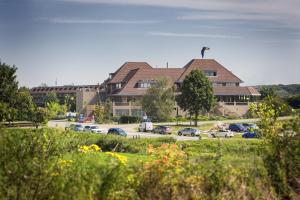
[(159, 100), (267, 91), (103, 112), (51, 98), (8, 92), (24, 104), (196, 94), (70, 102), (8, 84)]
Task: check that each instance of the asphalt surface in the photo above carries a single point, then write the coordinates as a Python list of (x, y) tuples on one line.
[(131, 129)]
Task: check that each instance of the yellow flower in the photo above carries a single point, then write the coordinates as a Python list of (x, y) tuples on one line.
[(88, 149), (120, 158)]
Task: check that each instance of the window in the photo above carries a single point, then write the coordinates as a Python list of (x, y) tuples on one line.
[(118, 85), (210, 73), (120, 112), (145, 84)]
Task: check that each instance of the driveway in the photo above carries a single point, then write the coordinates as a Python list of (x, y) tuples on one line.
[(131, 129)]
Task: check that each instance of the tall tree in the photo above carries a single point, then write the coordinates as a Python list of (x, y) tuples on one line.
[(8, 83), (8, 92), (196, 94), (24, 105), (159, 100)]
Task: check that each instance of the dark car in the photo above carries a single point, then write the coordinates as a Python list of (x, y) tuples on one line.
[(237, 128), (250, 135), (162, 130), (117, 131)]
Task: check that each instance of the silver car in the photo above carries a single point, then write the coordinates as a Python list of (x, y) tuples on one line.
[(189, 131)]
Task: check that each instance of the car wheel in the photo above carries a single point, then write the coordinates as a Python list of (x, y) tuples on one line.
[(193, 134), (179, 133), (213, 135)]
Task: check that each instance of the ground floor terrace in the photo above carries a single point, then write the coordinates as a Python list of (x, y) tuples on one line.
[(227, 105)]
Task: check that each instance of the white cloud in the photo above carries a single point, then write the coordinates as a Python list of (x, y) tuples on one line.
[(170, 34), (100, 21), (285, 12)]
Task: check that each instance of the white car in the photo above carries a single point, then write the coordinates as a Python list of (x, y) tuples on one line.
[(145, 126), (96, 129), (220, 133)]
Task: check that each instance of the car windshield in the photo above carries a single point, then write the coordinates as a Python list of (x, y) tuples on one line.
[(121, 130), (94, 127), (78, 125)]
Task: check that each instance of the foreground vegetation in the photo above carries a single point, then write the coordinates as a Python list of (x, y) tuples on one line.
[(58, 164)]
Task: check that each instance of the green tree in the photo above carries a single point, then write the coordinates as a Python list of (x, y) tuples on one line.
[(70, 102), (196, 94), (159, 100), (55, 109), (267, 91), (51, 97), (103, 112), (40, 116), (8, 92), (24, 104)]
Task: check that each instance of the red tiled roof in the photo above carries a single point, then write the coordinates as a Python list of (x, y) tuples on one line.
[(223, 75), (122, 72), (225, 90), (149, 75)]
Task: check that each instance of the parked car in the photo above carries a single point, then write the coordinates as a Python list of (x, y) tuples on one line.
[(145, 126), (249, 126), (117, 131), (250, 135), (162, 130), (189, 131), (237, 127), (87, 128), (96, 129), (220, 133), (70, 127), (78, 127)]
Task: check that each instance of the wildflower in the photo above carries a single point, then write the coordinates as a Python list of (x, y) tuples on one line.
[(88, 149), (64, 163), (120, 158)]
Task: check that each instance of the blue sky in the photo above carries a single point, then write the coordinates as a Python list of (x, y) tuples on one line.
[(82, 41)]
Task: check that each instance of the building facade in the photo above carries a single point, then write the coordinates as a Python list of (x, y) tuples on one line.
[(129, 83), (85, 96), (126, 86)]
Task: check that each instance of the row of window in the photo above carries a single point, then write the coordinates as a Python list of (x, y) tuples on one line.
[(134, 112), (225, 84)]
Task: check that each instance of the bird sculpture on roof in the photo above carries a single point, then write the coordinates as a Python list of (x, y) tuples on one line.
[(203, 50)]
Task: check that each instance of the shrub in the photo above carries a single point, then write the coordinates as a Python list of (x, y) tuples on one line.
[(124, 119)]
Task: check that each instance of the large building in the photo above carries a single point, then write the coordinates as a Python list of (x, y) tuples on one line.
[(130, 82), (85, 96)]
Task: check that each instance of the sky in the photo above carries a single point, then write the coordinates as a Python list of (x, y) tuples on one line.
[(82, 41)]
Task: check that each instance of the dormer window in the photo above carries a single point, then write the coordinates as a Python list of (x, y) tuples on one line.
[(118, 85), (145, 83), (210, 73)]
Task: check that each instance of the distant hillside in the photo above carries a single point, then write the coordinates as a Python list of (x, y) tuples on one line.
[(284, 90)]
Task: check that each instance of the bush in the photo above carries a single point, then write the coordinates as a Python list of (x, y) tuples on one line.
[(124, 119)]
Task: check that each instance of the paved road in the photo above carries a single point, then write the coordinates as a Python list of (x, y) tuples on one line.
[(131, 129)]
